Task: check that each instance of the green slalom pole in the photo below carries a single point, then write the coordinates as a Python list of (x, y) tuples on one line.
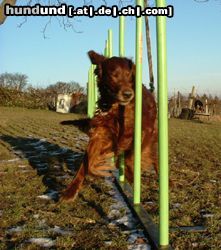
[(109, 49), (106, 50), (121, 36), (95, 92), (90, 92), (138, 108), (163, 127), (110, 43), (121, 54), (94, 86)]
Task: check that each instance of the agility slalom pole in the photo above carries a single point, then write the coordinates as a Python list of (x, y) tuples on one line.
[(109, 53), (105, 49), (138, 108), (95, 92), (121, 36), (110, 43), (90, 97), (163, 127), (94, 86), (88, 94), (108, 50), (121, 54)]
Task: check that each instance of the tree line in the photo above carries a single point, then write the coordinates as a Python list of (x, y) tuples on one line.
[(15, 90)]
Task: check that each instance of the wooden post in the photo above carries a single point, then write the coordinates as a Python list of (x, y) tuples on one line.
[(206, 104), (191, 98), (179, 103), (174, 104)]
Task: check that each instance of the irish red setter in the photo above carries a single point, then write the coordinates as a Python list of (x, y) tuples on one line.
[(112, 129)]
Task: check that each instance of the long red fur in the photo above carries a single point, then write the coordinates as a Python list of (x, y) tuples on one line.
[(73, 188), (112, 130)]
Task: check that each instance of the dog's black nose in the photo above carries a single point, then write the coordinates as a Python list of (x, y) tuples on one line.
[(127, 94)]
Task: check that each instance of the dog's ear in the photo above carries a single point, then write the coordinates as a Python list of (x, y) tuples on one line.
[(96, 58), (133, 69)]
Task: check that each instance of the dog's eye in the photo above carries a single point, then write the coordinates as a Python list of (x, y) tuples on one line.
[(128, 74), (115, 75)]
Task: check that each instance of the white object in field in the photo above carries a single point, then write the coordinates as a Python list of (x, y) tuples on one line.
[(66, 102), (63, 103)]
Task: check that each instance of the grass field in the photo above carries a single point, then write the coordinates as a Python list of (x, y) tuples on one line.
[(38, 157), (195, 196)]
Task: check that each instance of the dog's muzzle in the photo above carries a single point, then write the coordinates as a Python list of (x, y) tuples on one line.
[(125, 96)]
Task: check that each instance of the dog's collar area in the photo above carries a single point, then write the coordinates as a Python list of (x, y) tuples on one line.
[(100, 112)]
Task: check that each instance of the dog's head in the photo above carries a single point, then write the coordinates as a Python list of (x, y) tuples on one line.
[(116, 78)]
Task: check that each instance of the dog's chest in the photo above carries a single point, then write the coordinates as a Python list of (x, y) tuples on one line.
[(126, 126)]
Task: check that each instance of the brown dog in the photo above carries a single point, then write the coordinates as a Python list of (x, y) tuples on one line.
[(112, 130)]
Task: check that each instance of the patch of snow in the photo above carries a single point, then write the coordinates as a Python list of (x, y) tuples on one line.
[(176, 205), (43, 140), (120, 214), (11, 160), (43, 242), (108, 243), (139, 247), (44, 197), (213, 181), (114, 213), (207, 215), (61, 231), (36, 216), (15, 229), (22, 166), (40, 147)]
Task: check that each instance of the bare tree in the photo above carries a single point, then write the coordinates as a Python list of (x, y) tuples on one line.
[(63, 21), (2, 15), (15, 81), (66, 23), (65, 87)]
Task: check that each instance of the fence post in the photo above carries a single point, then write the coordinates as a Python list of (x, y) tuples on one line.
[(163, 127)]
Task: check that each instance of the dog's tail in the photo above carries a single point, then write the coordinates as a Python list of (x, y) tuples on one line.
[(72, 190), (82, 124)]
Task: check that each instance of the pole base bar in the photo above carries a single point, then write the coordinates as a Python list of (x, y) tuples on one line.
[(150, 228)]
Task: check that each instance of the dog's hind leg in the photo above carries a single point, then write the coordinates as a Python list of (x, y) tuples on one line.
[(73, 188)]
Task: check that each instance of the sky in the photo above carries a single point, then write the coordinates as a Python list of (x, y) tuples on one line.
[(193, 46)]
